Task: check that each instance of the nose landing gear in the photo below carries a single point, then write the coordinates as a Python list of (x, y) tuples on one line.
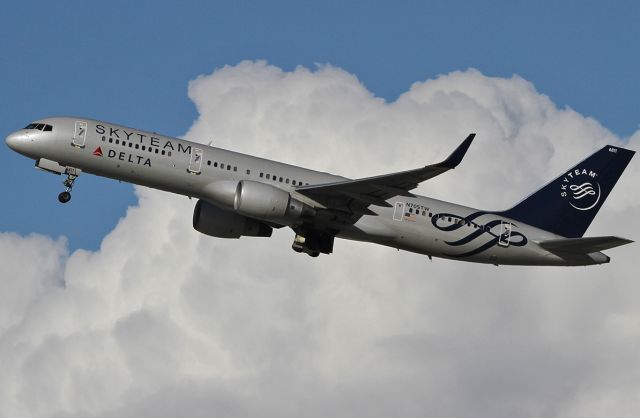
[(72, 175)]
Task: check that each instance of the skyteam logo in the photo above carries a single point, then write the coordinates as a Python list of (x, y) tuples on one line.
[(581, 189)]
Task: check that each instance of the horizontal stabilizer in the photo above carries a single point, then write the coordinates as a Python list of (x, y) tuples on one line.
[(583, 245)]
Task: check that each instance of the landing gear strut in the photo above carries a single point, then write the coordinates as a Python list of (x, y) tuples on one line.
[(72, 175)]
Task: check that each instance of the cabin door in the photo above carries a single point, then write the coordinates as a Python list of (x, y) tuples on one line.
[(79, 134), (505, 234), (195, 163)]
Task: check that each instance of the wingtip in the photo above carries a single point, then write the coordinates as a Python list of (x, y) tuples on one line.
[(456, 156)]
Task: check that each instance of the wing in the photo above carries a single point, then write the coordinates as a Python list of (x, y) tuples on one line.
[(356, 195)]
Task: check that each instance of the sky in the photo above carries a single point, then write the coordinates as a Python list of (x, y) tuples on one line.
[(131, 62), (113, 306)]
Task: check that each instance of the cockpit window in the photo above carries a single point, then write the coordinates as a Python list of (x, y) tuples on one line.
[(40, 126)]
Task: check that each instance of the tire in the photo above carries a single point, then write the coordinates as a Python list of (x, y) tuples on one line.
[(64, 197)]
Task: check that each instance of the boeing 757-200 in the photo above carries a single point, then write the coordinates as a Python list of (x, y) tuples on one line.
[(241, 195)]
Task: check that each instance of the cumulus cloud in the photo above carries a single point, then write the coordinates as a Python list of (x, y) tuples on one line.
[(162, 321)]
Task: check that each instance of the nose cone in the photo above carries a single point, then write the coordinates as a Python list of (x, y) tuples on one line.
[(13, 141), (18, 141)]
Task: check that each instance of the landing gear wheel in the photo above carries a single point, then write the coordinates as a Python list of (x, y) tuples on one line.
[(72, 175), (64, 197), (313, 244)]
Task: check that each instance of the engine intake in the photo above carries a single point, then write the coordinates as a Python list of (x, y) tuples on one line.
[(211, 220), (259, 200)]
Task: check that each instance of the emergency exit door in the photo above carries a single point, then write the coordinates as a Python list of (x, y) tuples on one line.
[(398, 212)]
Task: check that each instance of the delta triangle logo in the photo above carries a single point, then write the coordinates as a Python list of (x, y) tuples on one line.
[(97, 152)]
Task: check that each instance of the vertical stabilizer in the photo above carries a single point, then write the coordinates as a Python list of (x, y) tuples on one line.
[(568, 204)]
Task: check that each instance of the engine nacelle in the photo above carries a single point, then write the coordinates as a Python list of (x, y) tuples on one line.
[(260, 200), (211, 220), (221, 192)]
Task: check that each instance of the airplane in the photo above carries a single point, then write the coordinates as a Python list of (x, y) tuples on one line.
[(243, 195)]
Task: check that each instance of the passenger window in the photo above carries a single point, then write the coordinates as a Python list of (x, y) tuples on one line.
[(293, 182), (137, 146), (143, 147), (287, 181), (169, 153), (261, 175), (248, 171), (235, 168), (228, 168), (268, 177), (280, 179), (157, 150), (208, 162), (163, 152), (110, 140), (117, 142), (215, 164), (424, 213)]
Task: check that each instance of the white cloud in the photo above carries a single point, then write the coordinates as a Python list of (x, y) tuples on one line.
[(162, 321), (23, 280)]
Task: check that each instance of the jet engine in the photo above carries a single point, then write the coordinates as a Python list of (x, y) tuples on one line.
[(259, 200), (211, 220)]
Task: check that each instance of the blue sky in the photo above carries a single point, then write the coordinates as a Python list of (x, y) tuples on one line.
[(130, 63)]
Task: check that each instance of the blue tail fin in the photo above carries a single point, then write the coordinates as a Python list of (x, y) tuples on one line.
[(568, 204)]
